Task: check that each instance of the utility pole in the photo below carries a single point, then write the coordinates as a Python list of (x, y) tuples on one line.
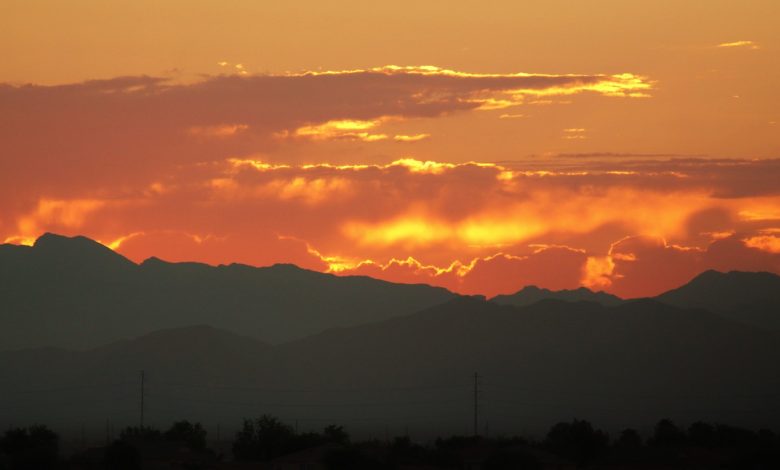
[(476, 404), (142, 400)]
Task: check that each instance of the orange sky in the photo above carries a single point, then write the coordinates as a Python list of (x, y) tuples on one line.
[(624, 146)]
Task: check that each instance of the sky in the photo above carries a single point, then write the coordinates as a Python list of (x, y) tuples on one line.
[(620, 146)]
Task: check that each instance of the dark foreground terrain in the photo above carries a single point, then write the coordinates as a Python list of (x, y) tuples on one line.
[(93, 343), (267, 443)]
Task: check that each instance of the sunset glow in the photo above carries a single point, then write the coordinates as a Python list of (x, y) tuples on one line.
[(495, 148)]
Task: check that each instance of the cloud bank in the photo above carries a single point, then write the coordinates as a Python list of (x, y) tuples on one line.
[(232, 169)]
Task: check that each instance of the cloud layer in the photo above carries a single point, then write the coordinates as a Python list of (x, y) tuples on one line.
[(230, 168)]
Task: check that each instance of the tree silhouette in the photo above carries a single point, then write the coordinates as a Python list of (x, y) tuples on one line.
[(733, 436), (31, 448), (404, 451), (140, 434), (701, 434), (629, 440), (351, 458), (263, 439), (335, 434), (667, 434), (191, 434), (508, 460), (121, 455), (578, 441)]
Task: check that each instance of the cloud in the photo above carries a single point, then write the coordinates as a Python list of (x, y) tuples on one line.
[(575, 133), (411, 138), (473, 227), (739, 44), (348, 129), (218, 131), (501, 273), (53, 215), (770, 243), (511, 116), (127, 131), (231, 168), (642, 266), (181, 246), (551, 267)]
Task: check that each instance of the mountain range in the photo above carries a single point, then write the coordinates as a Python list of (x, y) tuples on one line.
[(531, 294), (747, 297), (624, 365), (77, 293), (218, 344)]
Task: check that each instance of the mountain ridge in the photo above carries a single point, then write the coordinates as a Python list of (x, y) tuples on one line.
[(531, 294), (77, 293), (749, 297), (538, 362)]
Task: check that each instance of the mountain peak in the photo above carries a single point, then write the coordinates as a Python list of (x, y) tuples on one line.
[(531, 287), (750, 297), (708, 275), (53, 239), (287, 267), (78, 249), (186, 338), (731, 280), (712, 275), (531, 294)]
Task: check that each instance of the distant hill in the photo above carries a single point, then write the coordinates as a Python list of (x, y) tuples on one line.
[(626, 365), (750, 297), (77, 293), (532, 294)]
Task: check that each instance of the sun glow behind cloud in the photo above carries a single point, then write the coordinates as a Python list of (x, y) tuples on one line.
[(457, 225), (383, 171), (502, 215), (738, 44), (341, 129)]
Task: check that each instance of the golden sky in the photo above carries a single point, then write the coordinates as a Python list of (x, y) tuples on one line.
[(623, 146)]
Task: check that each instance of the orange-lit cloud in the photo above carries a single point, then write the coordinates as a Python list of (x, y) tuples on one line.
[(128, 131), (410, 138), (770, 243), (342, 129), (53, 214), (314, 168), (633, 227), (511, 116), (218, 131), (575, 133), (742, 44), (513, 85)]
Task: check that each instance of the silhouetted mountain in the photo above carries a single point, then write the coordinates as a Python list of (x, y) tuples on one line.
[(76, 293), (548, 361), (750, 297), (75, 252), (532, 294), (192, 344)]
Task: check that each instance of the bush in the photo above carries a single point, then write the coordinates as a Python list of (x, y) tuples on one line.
[(31, 448)]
